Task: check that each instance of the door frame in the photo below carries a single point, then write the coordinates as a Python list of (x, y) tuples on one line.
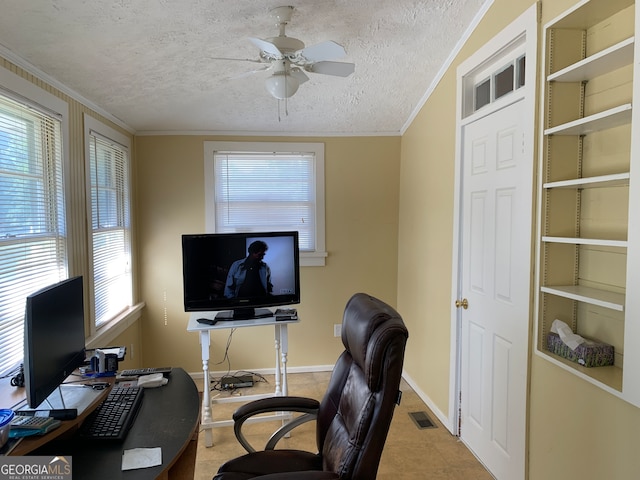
[(524, 30)]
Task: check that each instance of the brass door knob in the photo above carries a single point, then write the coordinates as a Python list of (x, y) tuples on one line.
[(464, 303)]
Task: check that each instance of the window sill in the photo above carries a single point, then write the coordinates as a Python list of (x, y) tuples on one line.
[(109, 331), (312, 259)]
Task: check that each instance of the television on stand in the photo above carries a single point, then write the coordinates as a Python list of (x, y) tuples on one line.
[(240, 275), (54, 341)]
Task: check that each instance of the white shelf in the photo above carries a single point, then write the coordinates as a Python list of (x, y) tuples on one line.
[(585, 14), (593, 296), (609, 378), (606, 267), (614, 180), (613, 117), (608, 60), (586, 241)]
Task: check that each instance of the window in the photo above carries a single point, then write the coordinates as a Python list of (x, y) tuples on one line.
[(32, 217), (267, 187), (110, 233), (521, 70), (504, 81), (483, 94), (495, 80)]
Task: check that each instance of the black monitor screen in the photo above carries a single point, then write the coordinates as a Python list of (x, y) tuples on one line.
[(54, 338), (240, 272)]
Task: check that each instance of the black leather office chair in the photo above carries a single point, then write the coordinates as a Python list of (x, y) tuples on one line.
[(353, 418)]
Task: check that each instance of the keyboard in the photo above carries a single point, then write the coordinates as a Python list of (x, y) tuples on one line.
[(115, 416), (137, 372)]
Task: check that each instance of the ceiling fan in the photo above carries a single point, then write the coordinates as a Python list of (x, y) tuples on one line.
[(290, 59)]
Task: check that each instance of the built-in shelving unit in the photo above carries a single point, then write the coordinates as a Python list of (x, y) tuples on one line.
[(586, 211)]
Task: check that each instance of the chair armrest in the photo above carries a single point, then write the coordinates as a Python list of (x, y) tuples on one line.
[(276, 404), (307, 406)]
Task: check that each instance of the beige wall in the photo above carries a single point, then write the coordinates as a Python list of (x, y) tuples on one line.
[(575, 429), (361, 178)]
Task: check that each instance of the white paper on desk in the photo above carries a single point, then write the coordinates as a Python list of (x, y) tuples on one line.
[(141, 458)]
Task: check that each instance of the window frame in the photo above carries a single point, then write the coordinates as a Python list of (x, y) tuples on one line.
[(125, 318), (314, 258), (487, 71)]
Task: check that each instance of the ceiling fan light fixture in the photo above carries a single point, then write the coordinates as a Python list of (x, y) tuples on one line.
[(289, 58), (281, 85)]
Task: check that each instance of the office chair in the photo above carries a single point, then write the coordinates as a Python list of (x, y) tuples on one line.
[(353, 418)]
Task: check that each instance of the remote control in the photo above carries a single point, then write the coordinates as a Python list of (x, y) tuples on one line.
[(55, 413), (208, 321), (137, 372)]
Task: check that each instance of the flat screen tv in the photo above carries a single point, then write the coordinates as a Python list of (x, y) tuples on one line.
[(53, 338), (240, 275)]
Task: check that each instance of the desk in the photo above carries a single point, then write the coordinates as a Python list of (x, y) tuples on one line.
[(282, 350), (168, 418)]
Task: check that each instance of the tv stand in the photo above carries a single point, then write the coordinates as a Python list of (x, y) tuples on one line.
[(244, 314), (281, 338)]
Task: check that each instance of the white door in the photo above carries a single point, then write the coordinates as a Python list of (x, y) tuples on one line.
[(497, 183)]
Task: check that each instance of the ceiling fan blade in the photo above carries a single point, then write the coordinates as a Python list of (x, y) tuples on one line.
[(323, 51), (266, 47), (339, 69), (253, 60), (299, 75), (250, 72)]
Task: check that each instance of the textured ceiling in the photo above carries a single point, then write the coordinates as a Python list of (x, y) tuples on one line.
[(152, 63)]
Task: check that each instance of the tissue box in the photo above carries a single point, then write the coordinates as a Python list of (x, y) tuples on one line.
[(588, 354)]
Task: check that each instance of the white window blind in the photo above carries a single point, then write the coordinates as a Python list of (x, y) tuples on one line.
[(32, 220), (266, 192), (110, 228)]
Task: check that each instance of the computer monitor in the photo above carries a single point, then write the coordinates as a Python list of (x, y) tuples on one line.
[(240, 275), (54, 341)]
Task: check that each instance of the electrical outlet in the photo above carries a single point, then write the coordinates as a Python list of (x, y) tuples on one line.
[(337, 329)]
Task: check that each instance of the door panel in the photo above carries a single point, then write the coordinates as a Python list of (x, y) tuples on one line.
[(496, 253)]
